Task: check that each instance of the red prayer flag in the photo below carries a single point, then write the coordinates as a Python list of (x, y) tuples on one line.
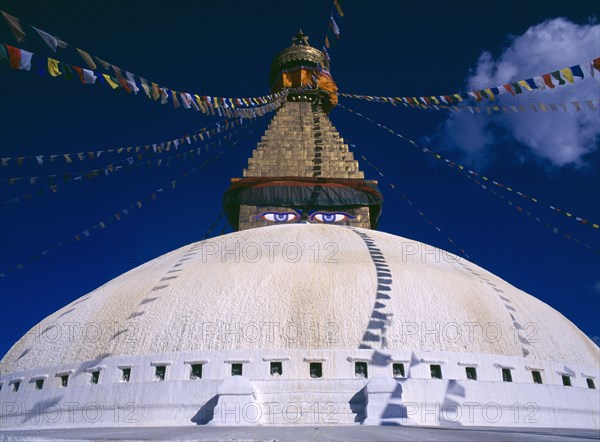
[(120, 79), (509, 88), (596, 63), (14, 55), (79, 72), (548, 81)]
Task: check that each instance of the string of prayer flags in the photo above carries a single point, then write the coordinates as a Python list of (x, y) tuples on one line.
[(575, 106), (472, 172), (550, 80), (200, 134), (126, 164), (126, 81), (118, 216), (333, 27), (408, 201), (524, 211)]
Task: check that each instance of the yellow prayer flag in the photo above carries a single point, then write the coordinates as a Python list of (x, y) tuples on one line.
[(68, 158), (543, 107), (567, 74), (111, 83), (524, 84), (53, 67), (490, 94), (458, 97)]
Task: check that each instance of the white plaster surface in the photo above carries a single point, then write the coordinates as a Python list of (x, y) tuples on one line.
[(298, 294), (220, 294)]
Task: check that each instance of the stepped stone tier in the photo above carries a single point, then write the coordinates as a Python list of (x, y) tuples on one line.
[(301, 142), (302, 168), (304, 316)]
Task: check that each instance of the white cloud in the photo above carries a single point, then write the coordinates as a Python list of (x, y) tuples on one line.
[(562, 138)]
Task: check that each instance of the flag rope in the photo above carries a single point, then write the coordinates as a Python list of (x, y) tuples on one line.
[(127, 81), (118, 216), (468, 172), (207, 131), (140, 151), (409, 202), (573, 106), (23, 60), (540, 82), (131, 164)]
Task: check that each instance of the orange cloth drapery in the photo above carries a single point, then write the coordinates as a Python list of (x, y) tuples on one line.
[(305, 77)]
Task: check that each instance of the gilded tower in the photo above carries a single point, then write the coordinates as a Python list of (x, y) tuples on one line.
[(301, 170)]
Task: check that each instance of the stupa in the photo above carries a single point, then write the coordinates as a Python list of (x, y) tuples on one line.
[(306, 315)]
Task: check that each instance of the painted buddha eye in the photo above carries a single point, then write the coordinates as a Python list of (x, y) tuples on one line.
[(326, 217), (279, 217)]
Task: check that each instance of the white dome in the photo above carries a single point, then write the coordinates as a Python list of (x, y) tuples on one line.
[(303, 286)]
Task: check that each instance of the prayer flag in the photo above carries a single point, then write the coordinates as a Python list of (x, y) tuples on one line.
[(88, 76), (577, 71), (66, 70), (539, 83), (121, 79), (86, 57), (548, 81), (524, 84), (51, 41), (155, 91), (567, 74), (110, 81), (145, 86), (14, 55), (338, 7), (15, 26), (25, 61), (79, 72), (105, 65), (334, 27), (556, 75), (131, 82)]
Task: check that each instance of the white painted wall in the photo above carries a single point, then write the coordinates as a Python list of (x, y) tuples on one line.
[(295, 398)]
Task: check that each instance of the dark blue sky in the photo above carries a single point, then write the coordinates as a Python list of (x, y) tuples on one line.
[(225, 49)]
